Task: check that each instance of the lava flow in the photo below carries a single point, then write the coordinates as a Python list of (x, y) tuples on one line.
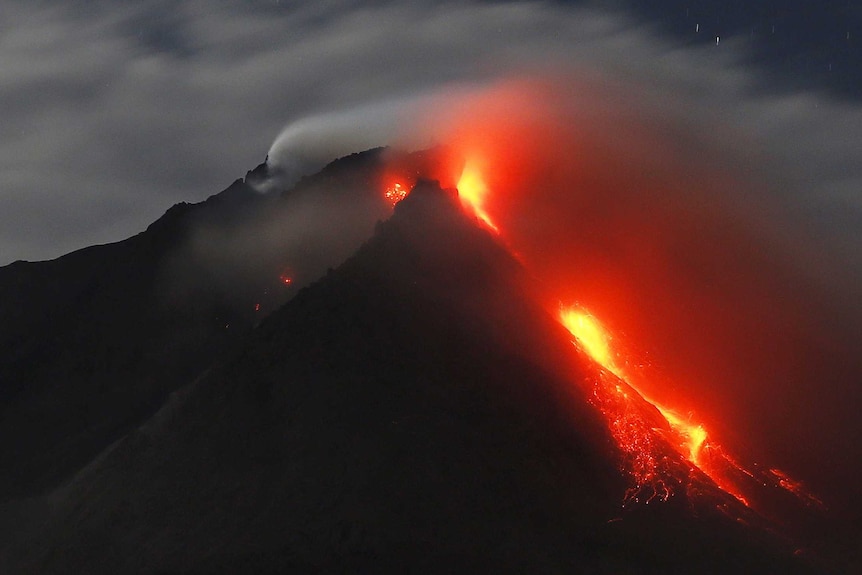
[(663, 450), (638, 437), (473, 191), (641, 437)]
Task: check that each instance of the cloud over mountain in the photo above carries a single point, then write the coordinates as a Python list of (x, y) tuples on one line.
[(116, 110)]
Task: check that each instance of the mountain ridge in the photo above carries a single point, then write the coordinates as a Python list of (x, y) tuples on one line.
[(91, 343), (412, 410)]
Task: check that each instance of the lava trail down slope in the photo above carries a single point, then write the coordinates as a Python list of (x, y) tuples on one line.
[(414, 410)]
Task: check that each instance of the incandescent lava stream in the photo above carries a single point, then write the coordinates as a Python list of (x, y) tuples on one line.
[(653, 434)]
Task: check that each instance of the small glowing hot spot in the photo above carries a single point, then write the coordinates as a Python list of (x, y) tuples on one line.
[(395, 193)]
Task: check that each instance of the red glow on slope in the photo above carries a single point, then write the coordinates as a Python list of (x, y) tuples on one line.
[(403, 170), (395, 193), (637, 437), (595, 340), (603, 205), (590, 335), (641, 440), (473, 193), (642, 435)]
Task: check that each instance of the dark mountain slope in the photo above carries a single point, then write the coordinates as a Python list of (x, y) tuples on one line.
[(87, 352), (411, 412), (92, 343)]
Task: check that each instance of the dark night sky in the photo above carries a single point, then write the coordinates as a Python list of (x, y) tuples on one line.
[(113, 111), (798, 43)]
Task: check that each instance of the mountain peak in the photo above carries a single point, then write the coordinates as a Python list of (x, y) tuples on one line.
[(259, 175), (424, 193), (413, 410)]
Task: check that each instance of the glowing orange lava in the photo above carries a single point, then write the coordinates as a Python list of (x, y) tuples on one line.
[(473, 193), (686, 437), (590, 335), (664, 448), (395, 193), (595, 340), (693, 435)]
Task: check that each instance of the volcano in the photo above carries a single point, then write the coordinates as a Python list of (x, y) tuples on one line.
[(411, 410), (92, 343)]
